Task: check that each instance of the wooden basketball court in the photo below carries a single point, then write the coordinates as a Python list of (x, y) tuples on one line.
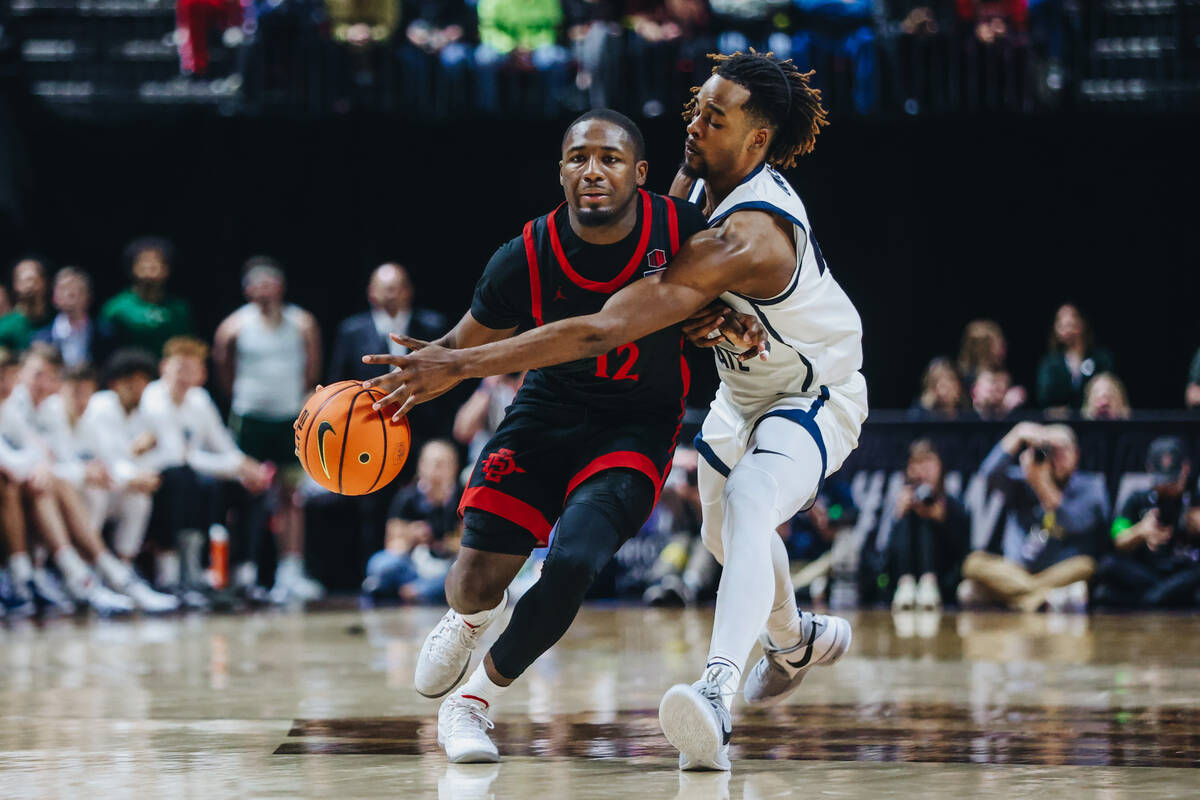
[(321, 705)]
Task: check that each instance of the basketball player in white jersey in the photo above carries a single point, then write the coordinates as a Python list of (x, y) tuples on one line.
[(777, 427)]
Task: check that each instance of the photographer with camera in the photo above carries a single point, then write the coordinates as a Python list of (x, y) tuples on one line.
[(1053, 529), (1157, 538), (931, 535)]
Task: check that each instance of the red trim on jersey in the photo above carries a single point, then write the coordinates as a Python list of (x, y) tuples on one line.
[(518, 512), (607, 287), (673, 225), (685, 376), (535, 277), (629, 459)]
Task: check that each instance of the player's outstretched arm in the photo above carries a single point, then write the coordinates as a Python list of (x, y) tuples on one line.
[(736, 255)]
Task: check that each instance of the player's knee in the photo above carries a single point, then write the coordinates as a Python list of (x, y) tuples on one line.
[(750, 489), (710, 534), (572, 572)]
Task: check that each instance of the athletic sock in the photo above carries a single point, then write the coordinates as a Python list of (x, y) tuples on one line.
[(783, 625), (21, 568), (114, 571), (75, 572), (481, 688), (482, 617), (166, 568)]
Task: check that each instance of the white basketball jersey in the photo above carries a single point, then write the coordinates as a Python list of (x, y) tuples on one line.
[(814, 329)]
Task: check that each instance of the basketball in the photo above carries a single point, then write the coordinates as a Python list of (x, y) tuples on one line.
[(346, 446)]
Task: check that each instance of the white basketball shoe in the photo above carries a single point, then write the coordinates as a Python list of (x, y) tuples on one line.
[(446, 653), (463, 724), (777, 674), (696, 721)]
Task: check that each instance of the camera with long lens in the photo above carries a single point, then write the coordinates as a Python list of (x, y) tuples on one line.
[(1169, 510), (925, 494)]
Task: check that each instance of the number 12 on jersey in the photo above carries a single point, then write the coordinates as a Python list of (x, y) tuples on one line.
[(625, 356)]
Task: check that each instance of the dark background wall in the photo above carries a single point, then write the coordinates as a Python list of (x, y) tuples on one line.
[(927, 223)]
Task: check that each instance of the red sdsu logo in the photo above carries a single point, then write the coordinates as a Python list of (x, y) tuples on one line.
[(499, 464), (656, 258)]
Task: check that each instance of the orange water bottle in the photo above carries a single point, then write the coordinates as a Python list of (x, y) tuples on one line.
[(218, 557)]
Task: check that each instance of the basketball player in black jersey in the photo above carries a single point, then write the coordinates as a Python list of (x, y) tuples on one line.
[(586, 443)]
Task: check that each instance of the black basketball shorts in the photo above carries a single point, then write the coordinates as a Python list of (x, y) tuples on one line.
[(539, 455)]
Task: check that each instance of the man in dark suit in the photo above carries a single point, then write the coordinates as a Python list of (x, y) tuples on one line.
[(389, 294)]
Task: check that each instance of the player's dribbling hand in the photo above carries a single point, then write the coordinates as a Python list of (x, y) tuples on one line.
[(426, 372)]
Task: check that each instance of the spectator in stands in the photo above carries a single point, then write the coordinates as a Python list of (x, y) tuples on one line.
[(195, 21), (685, 571), (437, 54), (1156, 537), (1191, 396), (390, 296), (144, 315), (113, 435), (268, 357), (838, 29), (990, 394), (594, 30), (80, 339), (664, 31), (34, 423), (1105, 397), (423, 531), (931, 535), (1053, 529), (984, 347), (993, 20), (761, 24), (362, 23), (521, 35), (5, 301), (1072, 359), (479, 417), (32, 310), (941, 392), (195, 450)]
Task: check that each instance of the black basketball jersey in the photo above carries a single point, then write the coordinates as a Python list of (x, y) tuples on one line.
[(532, 281)]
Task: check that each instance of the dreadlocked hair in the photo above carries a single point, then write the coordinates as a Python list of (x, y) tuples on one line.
[(780, 94)]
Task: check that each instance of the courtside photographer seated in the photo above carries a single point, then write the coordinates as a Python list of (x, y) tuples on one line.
[(1053, 528), (931, 535), (1157, 538)]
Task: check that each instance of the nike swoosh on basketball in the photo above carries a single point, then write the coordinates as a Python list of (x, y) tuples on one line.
[(772, 452), (323, 429), (807, 656)]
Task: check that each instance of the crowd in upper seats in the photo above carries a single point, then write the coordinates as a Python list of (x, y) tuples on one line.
[(539, 56), (124, 486)]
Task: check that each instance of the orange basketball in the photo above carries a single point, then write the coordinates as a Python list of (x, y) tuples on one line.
[(347, 447)]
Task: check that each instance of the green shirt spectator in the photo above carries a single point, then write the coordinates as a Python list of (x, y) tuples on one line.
[(507, 25), (1192, 396), (1073, 359), (138, 322), (32, 309), (144, 315)]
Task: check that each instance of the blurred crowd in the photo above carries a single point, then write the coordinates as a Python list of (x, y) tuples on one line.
[(440, 57), (126, 485)]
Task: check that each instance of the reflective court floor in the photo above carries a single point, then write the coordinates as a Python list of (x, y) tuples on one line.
[(321, 705)]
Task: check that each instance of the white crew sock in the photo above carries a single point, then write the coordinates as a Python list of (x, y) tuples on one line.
[(783, 625), (290, 565), (113, 570), (166, 568), (479, 687), (21, 568), (481, 618), (75, 572)]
